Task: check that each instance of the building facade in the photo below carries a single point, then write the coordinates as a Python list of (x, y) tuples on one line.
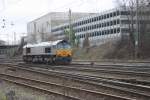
[(102, 27), (39, 29)]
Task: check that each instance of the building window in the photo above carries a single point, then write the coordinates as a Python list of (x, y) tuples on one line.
[(114, 22), (102, 32), (102, 24), (89, 34), (118, 21), (83, 35), (99, 18), (105, 32), (88, 21), (110, 14), (114, 14), (84, 28), (79, 30), (83, 22), (104, 16), (95, 18), (96, 34), (80, 35), (95, 26), (108, 31), (92, 34), (78, 23), (112, 31), (107, 23), (118, 30), (118, 13), (107, 15), (88, 27), (115, 30), (92, 19), (111, 23)]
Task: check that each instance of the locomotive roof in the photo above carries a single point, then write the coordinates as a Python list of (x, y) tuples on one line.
[(48, 43)]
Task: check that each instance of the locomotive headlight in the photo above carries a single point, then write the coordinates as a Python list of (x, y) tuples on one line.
[(69, 53)]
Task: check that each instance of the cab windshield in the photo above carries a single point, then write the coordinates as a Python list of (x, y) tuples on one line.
[(64, 45)]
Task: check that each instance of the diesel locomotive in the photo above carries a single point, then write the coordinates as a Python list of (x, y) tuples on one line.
[(57, 52)]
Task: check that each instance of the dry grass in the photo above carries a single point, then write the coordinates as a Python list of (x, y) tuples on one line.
[(109, 50)]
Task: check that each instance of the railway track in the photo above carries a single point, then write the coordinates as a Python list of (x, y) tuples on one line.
[(82, 70), (117, 67), (100, 85), (100, 71), (23, 82), (67, 92), (114, 61)]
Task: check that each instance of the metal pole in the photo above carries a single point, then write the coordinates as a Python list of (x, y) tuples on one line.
[(70, 27), (34, 36), (137, 30), (14, 38)]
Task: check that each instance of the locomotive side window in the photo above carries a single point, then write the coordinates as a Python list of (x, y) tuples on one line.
[(28, 50), (47, 50)]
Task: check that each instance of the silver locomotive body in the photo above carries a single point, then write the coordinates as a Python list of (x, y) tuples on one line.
[(48, 52)]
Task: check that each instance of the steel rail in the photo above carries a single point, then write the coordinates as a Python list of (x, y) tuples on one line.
[(92, 78), (121, 72), (66, 91), (114, 61)]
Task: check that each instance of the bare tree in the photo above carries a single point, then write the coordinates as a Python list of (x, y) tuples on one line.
[(86, 42), (143, 16)]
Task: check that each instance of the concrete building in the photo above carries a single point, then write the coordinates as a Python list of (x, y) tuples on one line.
[(39, 29), (102, 27)]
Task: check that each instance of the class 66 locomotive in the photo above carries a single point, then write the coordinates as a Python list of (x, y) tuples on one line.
[(53, 52)]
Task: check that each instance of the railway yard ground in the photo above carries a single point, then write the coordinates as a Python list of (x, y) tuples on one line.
[(81, 80)]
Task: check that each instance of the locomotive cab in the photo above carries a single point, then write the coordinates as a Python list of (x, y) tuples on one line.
[(63, 52)]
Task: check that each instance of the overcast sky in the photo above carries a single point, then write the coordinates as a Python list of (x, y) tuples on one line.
[(17, 13)]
